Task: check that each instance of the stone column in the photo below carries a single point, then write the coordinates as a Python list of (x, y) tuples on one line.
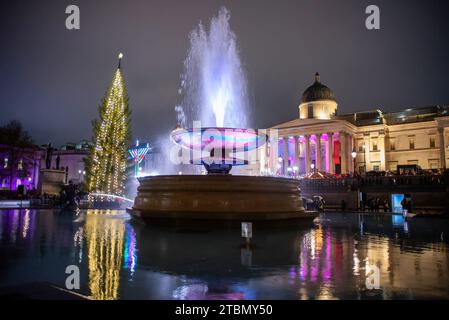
[(302, 147), (307, 153), (302, 152), (343, 153), (350, 145), (330, 151), (442, 148), (445, 149), (366, 143), (285, 155), (381, 147), (296, 161), (274, 147), (262, 158), (318, 152)]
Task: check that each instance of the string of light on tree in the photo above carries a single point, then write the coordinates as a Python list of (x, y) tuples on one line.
[(107, 173)]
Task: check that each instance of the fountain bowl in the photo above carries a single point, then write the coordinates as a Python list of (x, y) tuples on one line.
[(218, 149), (228, 138), (219, 198)]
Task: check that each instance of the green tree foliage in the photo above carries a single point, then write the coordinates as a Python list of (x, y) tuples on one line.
[(107, 163)]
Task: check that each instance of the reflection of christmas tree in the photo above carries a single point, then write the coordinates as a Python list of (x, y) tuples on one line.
[(106, 171), (104, 239)]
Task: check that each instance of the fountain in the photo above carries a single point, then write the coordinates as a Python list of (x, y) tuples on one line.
[(214, 90), (213, 85), (218, 149)]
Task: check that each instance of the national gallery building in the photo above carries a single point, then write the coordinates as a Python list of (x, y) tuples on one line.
[(323, 140)]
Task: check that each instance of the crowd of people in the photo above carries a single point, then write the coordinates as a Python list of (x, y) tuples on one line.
[(376, 205), (383, 178)]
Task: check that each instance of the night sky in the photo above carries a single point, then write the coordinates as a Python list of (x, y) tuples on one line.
[(53, 79)]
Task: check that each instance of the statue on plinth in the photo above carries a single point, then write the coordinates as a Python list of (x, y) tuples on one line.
[(48, 156)]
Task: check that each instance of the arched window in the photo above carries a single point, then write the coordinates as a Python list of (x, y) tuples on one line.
[(310, 111)]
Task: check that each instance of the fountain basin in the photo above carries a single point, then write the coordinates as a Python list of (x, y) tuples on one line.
[(227, 138), (218, 197), (218, 149)]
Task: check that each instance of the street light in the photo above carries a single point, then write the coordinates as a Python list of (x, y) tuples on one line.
[(295, 171), (354, 155), (364, 159), (279, 166)]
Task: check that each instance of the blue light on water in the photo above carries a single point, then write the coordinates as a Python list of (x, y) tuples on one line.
[(397, 220), (396, 200)]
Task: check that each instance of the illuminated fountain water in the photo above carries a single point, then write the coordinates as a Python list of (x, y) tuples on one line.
[(213, 85), (214, 91)]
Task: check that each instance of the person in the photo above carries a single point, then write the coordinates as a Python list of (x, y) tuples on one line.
[(370, 205), (321, 204), (385, 205), (363, 201), (404, 204), (376, 204), (343, 205)]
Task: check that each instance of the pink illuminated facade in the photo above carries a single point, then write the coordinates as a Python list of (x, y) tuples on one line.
[(310, 146), (316, 142), (19, 166), (322, 141)]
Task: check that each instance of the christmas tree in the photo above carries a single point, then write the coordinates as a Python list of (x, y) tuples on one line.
[(107, 164)]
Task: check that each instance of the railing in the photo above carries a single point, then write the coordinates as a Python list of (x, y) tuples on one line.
[(418, 182)]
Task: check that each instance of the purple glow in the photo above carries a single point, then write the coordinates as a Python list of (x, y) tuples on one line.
[(292, 272), (228, 138), (205, 140), (327, 268), (130, 256)]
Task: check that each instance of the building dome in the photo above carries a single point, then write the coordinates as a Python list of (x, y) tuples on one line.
[(317, 92), (318, 102)]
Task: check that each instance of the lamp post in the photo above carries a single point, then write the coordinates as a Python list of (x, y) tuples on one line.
[(364, 159), (295, 171), (280, 161), (354, 155)]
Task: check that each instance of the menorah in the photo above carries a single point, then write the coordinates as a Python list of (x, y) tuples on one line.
[(138, 153)]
